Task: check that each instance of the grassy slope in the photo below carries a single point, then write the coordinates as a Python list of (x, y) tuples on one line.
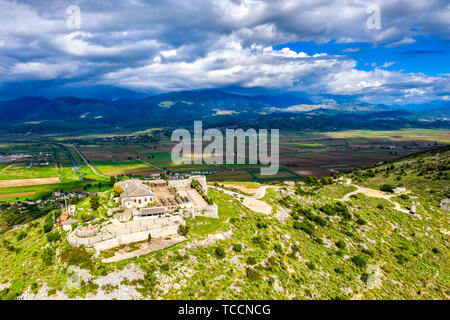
[(411, 251)]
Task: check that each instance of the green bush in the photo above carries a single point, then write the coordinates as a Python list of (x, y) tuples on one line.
[(401, 258), (21, 235), (278, 248), (183, 229), (47, 256), (297, 225), (360, 261), (305, 226), (48, 223), (361, 221), (341, 244), (261, 225), (368, 252), (252, 274), (251, 260), (319, 221), (339, 270), (76, 255), (237, 247), (311, 265), (53, 236), (337, 208), (387, 188), (94, 201), (220, 252), (259, 240)]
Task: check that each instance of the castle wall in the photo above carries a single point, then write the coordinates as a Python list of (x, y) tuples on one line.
[(186, 183)]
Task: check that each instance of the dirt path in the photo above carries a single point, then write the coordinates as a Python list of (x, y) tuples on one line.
[(152, 165), (6, 168), (251, 202), (376, 194), (89, 165)]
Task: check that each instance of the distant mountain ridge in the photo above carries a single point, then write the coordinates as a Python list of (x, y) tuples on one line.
[(175, 108)]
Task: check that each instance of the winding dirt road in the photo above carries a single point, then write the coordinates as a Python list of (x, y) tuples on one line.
[(376, 194)]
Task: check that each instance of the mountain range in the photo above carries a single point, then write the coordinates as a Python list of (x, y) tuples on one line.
[(214, 107)]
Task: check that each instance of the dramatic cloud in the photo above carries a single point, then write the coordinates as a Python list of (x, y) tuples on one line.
[(173, 45)]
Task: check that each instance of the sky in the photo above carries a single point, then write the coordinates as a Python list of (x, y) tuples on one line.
[(391, 51)]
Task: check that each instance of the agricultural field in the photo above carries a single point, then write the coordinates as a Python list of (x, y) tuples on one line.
[(301, 155)]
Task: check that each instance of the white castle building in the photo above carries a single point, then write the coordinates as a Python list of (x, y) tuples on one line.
[(136, 194)]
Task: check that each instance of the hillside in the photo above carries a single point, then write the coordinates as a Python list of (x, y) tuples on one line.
[(317, 243), (214, 107)]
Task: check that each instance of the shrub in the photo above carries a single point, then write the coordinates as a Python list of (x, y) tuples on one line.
[(251, 260), (220, 252), (319, 221), (47, 256), (259, 240), (252, 274), (310, 265), (337, 208), (361, 221), (318, 240), (53, 236), (297, 225), (339, 270), (118, 190), (364, 277), (48, 223), (77, 256), (368, 252), (341, 244), (183, 229), (21, 235), (278, 248), (380, 206), (401, 258), (387, 187), (311, 181), (360, 261), (237, 247), (435, 250), (305, 226), (261, 225), (94, 201)]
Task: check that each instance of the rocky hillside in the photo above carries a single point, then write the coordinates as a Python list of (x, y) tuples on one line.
[(323, 239)]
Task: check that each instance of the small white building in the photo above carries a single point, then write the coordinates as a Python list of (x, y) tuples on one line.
[(399, 190), (413, 208), (445, 204), (72, 210), (67, 225)]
